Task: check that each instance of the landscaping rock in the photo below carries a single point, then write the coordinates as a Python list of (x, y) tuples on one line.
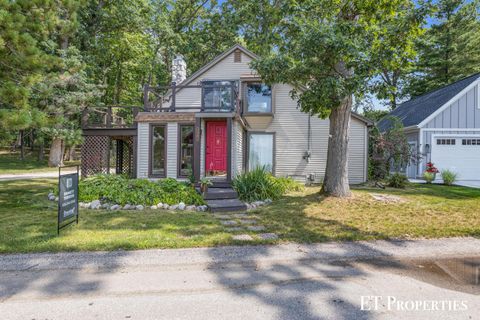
[(268, 236), (268, 201), (115, 207), (105, 206), (229, 222), (159, 205), (174, 207), (234, 229), (86, 205), (95, 204), (181, 206), (154, 207), (190, 208), (249, 206), (248, 221), (255, 228), (56, 199), (127, 207), (166, 206), (139, 207), (242, 237)]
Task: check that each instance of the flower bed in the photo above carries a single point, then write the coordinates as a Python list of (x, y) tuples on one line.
[(117, 192)]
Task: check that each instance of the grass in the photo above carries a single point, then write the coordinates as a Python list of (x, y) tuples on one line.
[(28, 220), (10, 163)]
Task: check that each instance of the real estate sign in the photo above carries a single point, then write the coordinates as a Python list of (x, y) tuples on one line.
[(67, 198)]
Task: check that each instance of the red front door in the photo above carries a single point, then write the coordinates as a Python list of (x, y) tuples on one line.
[(216, 147)]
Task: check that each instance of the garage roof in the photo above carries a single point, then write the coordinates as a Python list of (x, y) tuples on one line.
[(417, 109)]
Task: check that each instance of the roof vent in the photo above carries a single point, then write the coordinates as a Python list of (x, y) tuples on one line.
[(237, 56)]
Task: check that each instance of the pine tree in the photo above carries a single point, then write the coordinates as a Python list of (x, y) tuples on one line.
[(449, 50)]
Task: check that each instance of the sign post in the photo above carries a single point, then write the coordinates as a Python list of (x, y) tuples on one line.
[(67, 198)]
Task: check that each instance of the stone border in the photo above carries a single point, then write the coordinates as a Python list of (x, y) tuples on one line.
[(97, 205)]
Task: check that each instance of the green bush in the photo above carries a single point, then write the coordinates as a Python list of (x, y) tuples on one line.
[(449, 177), (122, 190), (259, 184), (428, 177), (397, 180)]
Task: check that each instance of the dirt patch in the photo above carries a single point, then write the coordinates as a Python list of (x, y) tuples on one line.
[(386, 198)]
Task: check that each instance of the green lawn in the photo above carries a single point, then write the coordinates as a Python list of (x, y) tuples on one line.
[(28, 220), (10, 163)]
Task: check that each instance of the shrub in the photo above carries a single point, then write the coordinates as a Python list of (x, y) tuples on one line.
[(397, 180), (259, 184), (449, 177), (429, 177), (122, 190)]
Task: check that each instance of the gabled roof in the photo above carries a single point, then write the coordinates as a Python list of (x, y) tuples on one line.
[(218, 58), (416, 110)]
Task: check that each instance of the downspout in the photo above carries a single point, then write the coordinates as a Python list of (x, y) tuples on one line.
[(308, 153)]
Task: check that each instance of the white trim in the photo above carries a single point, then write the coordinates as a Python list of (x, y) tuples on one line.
[(420, 151), (478, 96), (454, 135), (452, 129), (448, 103)]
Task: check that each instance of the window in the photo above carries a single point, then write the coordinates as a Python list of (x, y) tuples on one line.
[(219, 95), (471, 142), (185, 150), (446, 141), (259, 97), (158, 152), (260, 151)]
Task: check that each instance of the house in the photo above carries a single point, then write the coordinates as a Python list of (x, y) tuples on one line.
[(443, 127), (222, 121)]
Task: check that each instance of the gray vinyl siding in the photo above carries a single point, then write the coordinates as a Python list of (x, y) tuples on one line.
[(291, 128), (226, 69), (237, 148), (462, 113), (142, 150), (172, 149)]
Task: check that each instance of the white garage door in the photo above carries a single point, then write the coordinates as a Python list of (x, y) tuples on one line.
[(459, 154)]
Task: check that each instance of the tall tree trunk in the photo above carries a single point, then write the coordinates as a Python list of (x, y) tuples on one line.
[(336, 174), (22, 145), (41, 151), (55, 158)]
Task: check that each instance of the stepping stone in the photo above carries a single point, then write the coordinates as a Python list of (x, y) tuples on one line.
[(248, 221), (240, 215), (242, 237), (255, 228), (222, 216), (229, 222), (268, 236), (233, 229)]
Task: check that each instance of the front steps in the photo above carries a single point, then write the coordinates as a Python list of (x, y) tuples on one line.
[(223, 199)]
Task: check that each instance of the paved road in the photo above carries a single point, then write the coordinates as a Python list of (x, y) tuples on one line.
[(25, 176), (325, 281)]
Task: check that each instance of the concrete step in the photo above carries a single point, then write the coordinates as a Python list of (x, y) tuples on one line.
[(226, 205), (220, 193)]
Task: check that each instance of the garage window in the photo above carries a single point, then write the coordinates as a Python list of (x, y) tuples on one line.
[(471, 142), (446, 141)]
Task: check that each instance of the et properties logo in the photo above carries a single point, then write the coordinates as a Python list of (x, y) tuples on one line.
[(391, 303)]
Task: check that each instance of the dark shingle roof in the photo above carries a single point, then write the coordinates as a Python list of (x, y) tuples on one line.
[(417, 109)]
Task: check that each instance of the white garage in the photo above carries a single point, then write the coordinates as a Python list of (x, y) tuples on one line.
[(460, 154)]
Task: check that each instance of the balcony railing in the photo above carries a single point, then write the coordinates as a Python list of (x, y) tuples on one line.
[(109, 117), (212, 98)]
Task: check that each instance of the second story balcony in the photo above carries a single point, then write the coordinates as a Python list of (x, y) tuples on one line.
[(208, 96)]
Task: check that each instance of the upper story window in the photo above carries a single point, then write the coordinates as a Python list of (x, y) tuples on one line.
[(259, 98), (219, 95)]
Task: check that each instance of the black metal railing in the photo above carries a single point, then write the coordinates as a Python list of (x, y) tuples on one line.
[(212, 97)]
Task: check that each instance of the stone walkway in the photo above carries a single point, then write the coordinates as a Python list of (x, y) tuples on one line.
[(239, 223)]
